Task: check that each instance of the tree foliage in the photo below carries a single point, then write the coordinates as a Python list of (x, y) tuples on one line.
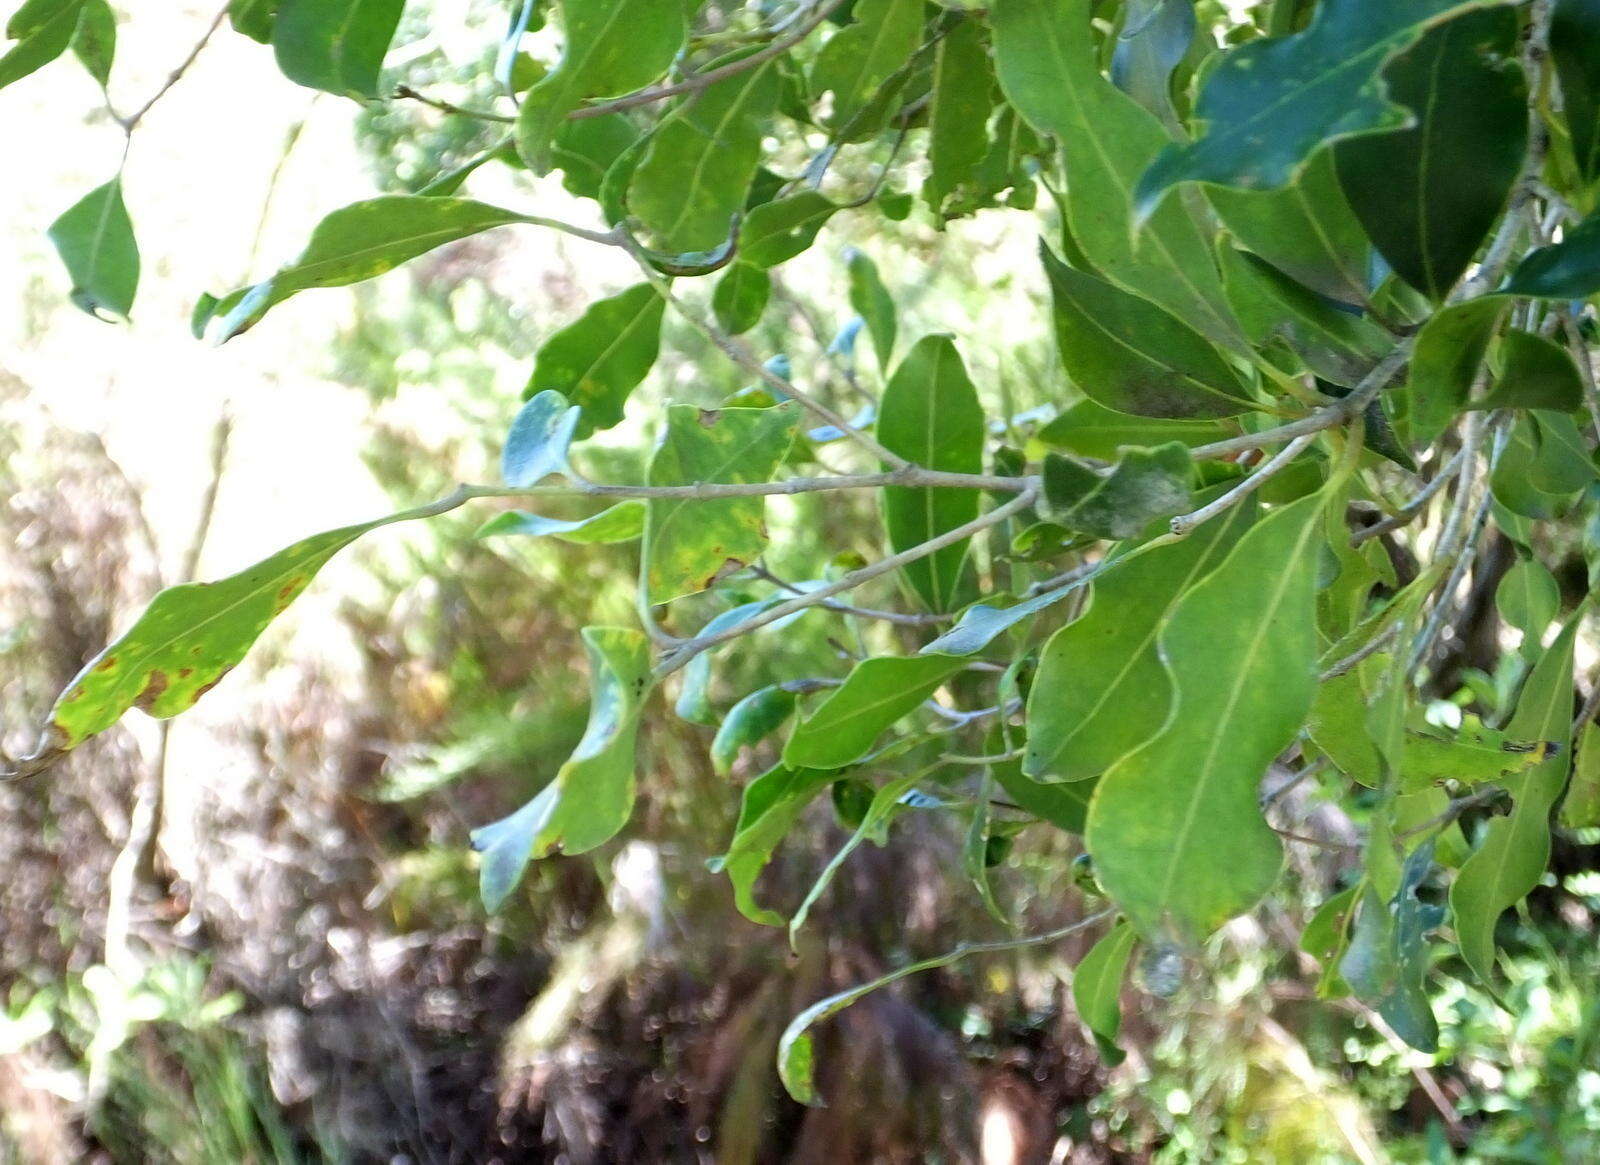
[(1319, 278)]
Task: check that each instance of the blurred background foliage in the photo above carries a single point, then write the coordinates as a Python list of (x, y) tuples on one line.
[(284, 958)]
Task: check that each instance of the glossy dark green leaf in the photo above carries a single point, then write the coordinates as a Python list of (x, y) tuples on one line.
[(1535, 373), (1143, 485), (1306, 230), (1387, 961), (1092, 430), (1129, 355), (1449, 351), (1565, 461), (1429, 194), (1520, 473), (693, 177), (1575, 49), (930, 415), (877, 692), (95, 41), (1047, 63), (1176, 834), (537, 444), (600, 358), (1569, 269), (591, 796), (860, 57), (1331, 343), (1097, 989), (357, 242), (749, 722), (1515, 849), (95, 241), (776, 232), (873, 303), (42, 29), (337, 46), (690, 542), (1155, 36), (1101, 690), (958, 113), (1270, 104), (611, 47), (622, 522), (772, 804)]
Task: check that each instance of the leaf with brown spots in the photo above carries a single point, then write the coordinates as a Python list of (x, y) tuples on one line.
[(189, 637), (689, 542)]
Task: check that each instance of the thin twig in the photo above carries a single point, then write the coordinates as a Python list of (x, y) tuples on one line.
[(129, 123), (855, 578), (710, 77), (407, 93), (1184, 524), (1407, 513), (1355, 658)]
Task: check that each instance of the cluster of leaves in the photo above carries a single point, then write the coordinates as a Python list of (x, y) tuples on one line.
[(1319, 277)]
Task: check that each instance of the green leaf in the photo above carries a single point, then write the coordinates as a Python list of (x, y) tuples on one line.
[(1065, 806), (930, 415), (1045, 57), (1449, 351), (361, 241), (1097, 989), (1581, 809), (600, 358), (772, 804), (537, 444), (1428, 194), (1306, 230), (777, 231), (95, 241), (1516, 479), (749, 722), (1101, 690), (1515, 849), (1092, 430), (337, 46), (1569, 269), (1154, 38), (690, 542), (1327, 936), (95, 41), (740, 298), (192, 635), (1388, 961), (612, 47), (1535, 373), (253, 18), (693, 178), (585, 150), (1575, 49), (1175, 831), (1529, 599), (622, 522), (1129, 355), (42, 29), (1270, 104), (1433, 760), (1335, 345), (1144, 484), (860, 57), (1565, 463), (591, 796), (875, 694), (873, 303), (963, 80)]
